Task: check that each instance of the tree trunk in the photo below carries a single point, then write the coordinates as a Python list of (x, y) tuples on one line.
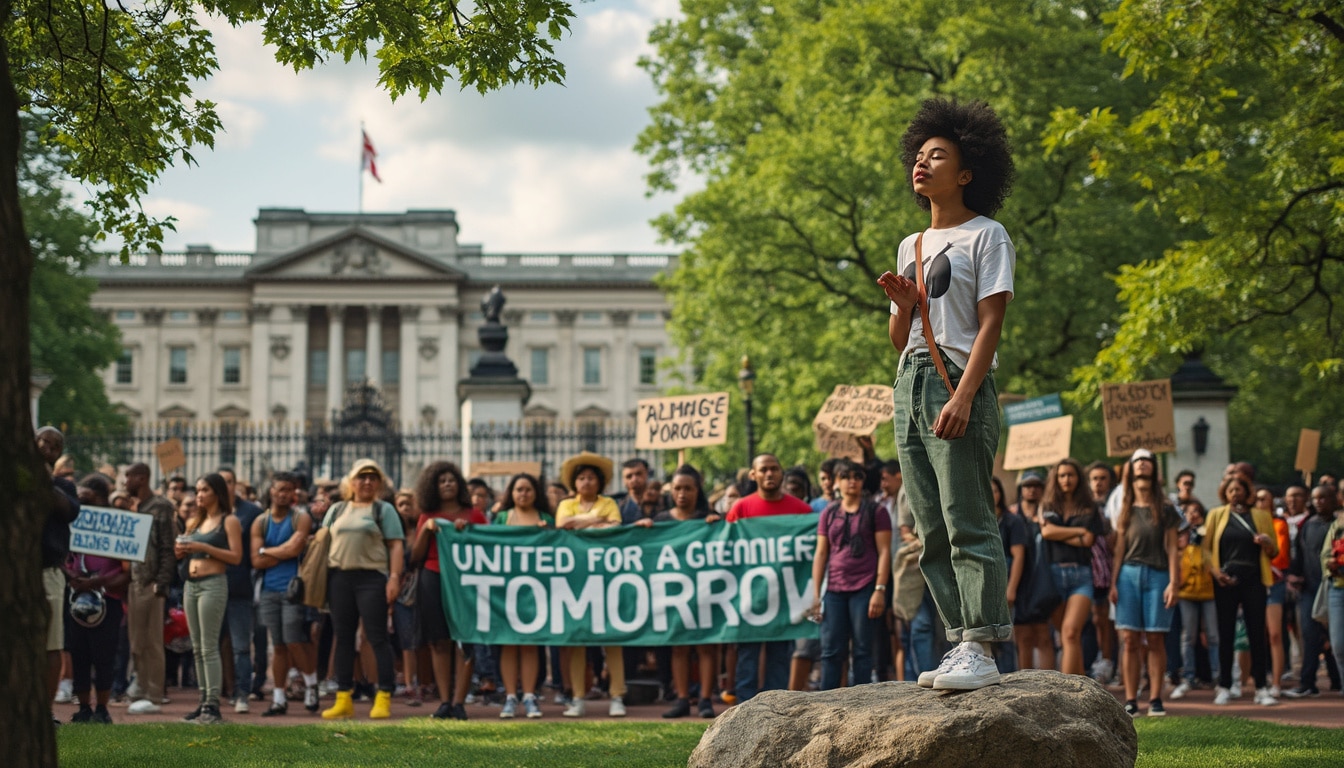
[(26, 734)]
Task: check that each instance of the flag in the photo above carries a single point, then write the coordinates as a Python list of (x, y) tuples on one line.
[(370, 155)]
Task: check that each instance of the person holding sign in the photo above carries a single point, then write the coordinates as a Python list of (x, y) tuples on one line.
[(93, 619), (524, 505), (587, 474), (213, 541), (854, 560), (948, 298)]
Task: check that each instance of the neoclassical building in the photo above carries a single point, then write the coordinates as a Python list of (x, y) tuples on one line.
[(331, 299)]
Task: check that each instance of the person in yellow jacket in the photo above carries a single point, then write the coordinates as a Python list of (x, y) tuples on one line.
[(1239, 542), (1196, 603)]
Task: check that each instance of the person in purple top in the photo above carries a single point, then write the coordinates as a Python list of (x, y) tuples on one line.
[(854, 558)]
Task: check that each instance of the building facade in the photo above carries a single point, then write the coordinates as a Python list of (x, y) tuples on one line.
[(329, 299)]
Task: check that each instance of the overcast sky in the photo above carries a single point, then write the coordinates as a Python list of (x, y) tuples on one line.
[(526, 170)]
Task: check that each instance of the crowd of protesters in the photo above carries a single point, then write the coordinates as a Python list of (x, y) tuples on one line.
[(1109, 575)]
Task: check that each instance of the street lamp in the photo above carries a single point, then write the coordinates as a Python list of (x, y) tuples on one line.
[(746, 381)]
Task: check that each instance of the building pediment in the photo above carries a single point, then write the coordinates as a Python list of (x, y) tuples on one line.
[(231, 413), (177, 412), (353, 255)]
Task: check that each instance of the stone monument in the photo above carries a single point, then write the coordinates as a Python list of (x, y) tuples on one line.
[(493, 393)]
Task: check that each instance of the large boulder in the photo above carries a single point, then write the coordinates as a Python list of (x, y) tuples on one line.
[(1035, 719)]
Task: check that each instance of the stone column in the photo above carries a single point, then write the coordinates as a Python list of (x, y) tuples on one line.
[(151, 378), (373, 347), (335, 357), (259, 363), (445, 399), (619, 383), (297, 407), (411, 354), (567, 376), (210, 378)]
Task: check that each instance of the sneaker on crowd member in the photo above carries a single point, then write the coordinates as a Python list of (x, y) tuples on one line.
[(575, 708), (1132, 708), (972, 671), (144, 707), (510, 708), (1179, 691), (1302, 693), (681, 708), (65, 692), (617, 708), (1103, 670), (209, 716), (561, 698), (706, 709), (1263, 699), (1275, 691), (310, 699), (240, 706), (84, 715), (1235, 691), (444, 712), (458, 712), (276, 709), (1155, 708), (1221, 696), (530, 706)]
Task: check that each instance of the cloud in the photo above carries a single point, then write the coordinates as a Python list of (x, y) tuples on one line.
[(191, 217)]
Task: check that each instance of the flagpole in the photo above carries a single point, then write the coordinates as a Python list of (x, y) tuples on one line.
[(361, 166)]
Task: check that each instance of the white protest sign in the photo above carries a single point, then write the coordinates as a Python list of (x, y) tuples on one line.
[(111, 533), (684, 421)]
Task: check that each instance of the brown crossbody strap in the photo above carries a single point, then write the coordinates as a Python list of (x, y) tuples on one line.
[(934, 351)]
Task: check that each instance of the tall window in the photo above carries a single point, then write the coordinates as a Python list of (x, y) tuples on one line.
[(541, 366), (177, 365), (233, 365), (125, 367), (648, 366), (354, 366), (391, 366), (592, 366), (317, 367)]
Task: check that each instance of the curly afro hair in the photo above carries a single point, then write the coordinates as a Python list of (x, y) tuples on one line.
[(983, 144)]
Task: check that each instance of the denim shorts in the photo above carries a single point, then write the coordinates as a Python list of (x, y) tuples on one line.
[(285, 621), (1139, 606), (1072, 579), (1278, 594)]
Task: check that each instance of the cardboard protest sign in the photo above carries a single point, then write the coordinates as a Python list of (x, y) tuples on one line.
[(838, 445), (1308, 450), (1138, 415), (505, 468), (1038, 443), (112, 533), (172, 456), (856, 410), (684, 421)]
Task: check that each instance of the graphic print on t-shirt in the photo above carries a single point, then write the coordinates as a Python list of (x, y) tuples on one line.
[(938, 276)]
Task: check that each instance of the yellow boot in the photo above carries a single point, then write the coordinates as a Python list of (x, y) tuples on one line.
[(382, 706), (343, 709)]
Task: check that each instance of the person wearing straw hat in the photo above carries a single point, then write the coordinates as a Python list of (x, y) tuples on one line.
[(587, 475), (365, 565)]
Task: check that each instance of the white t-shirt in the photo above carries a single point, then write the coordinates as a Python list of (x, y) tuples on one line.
[(962, 266)]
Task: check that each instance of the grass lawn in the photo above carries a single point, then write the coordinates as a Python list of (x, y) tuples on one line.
[(1223, 742)]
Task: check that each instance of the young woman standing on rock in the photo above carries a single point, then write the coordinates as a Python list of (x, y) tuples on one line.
[(948, 298)]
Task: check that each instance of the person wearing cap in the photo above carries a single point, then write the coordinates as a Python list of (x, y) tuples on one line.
[(1145, 578), (365, 565), (587, 474), (1030, 489)]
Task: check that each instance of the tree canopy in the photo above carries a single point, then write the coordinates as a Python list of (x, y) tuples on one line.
[(792, 115)]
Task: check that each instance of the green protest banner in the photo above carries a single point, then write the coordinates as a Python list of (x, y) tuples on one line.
[(673, 584)]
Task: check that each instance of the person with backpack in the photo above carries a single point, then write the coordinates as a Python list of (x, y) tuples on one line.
[(278, 539), (364, 564), (854, 559)]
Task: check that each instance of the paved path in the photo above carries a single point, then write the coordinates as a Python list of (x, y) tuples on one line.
[(1326, 711)]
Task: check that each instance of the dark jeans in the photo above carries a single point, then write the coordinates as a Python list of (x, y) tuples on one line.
[(356, 595), (1314, 635), (240, 622), (1249, 594), (93, 651), (845, 620), (778, 658)]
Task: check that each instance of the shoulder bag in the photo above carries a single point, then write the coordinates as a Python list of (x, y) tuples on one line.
[(1037, 597)]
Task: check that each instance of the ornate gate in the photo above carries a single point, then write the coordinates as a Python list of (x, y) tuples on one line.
[(363, 429)]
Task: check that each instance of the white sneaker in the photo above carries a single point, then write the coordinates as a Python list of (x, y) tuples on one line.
[(65, 691), (617, 708), (1179, 691), (1275, 691), (1262, 698), (240, 706), (1221, 696), (560, 698), (1103, 670), (971, 672), (1235, 691), (575, 708), (144, 707), (949, 659), (329, 687)]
